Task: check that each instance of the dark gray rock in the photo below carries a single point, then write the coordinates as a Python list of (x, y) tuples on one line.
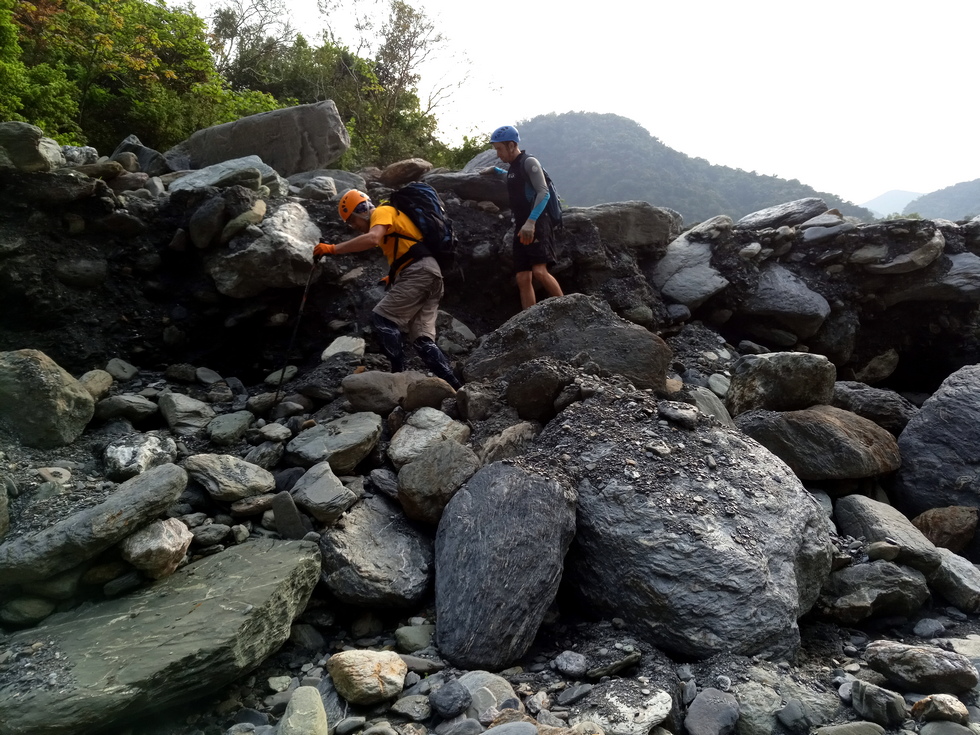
[(564, 328), (886, 408), (940, 446), (374, 557), (499, 550)]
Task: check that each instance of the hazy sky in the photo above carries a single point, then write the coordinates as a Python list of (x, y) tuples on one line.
[(854, 98)]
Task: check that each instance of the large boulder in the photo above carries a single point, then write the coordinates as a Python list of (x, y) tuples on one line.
[(280, 258), (571, 328), (291, 140), (211, 622), (695, 522), (823, 442), (41, 402), (780, 381), (23, 147), (940, 447), (500, 551)]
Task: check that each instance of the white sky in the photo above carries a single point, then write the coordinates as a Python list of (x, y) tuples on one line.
[(853, 97)]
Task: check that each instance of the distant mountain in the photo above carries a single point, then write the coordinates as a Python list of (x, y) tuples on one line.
[(891, 202), (597, 158), (956, 202)]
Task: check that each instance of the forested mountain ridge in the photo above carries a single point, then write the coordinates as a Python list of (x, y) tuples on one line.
[(960, 201), (596, 157)]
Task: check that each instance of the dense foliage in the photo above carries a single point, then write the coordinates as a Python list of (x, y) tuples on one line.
[(94, 71), (957, 202), (597, 158)]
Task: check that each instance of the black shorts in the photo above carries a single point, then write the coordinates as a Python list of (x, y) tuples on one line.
[(542, 250)]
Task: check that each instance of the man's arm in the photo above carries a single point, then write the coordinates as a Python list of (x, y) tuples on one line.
[(535, 177), (370, 239)]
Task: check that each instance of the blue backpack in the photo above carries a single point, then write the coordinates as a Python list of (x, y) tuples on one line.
[(424, 207), (553, 207)]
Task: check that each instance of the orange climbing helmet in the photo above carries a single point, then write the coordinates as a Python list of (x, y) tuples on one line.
[(352, 202)]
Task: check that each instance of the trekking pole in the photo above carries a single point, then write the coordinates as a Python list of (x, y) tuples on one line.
[(292, 339)]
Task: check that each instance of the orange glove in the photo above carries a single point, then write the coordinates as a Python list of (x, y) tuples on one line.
[(386, 281), (323, 248)]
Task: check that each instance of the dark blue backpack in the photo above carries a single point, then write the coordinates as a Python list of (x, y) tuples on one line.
[(424, 207), (553, 207)]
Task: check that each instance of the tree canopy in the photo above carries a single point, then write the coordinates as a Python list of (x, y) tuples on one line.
[(94, 71)]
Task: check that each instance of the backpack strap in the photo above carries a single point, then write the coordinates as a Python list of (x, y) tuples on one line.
[(416, 251)]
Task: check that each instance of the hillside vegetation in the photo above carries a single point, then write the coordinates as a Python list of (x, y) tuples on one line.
[(960, 201), (596, 158)]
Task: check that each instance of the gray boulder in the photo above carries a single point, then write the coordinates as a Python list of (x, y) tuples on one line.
[(500, 551), (674, 546), (876, 589), (786, 300), (23, 147), (789, 214), (565, 328), (859, 516), (685, 274), (212, 622), (291, 140), (886, 408), (780, 381), (40, 401), (940, 446), (375, 557), (282, 257)]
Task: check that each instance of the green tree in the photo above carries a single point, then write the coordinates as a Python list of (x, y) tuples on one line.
[(95, 71)]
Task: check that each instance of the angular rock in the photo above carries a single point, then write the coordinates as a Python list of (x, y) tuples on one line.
[(131, 455), (291, 139), (563, 328), (424, 429), (958, 580), (343, 442), (184, 415), (923, 669), (280, 258), (41, 402), (886, 408), (212, 621), (823, 442), (500, 551), (229, 478), (373, 557), (780, 381), (91, 531), (661, 550), (877, 589), (940, 446), (878, 704), (788, 214), (320, 493), (857, 516), (426, 485)]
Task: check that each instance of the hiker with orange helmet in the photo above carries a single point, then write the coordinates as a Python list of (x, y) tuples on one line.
[(412, 301), (527, 189)]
